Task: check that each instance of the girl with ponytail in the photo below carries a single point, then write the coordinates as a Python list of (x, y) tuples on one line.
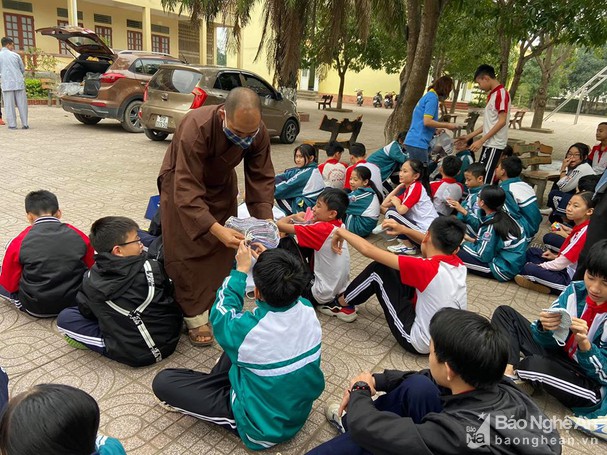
[(500, 245), (365, 200)]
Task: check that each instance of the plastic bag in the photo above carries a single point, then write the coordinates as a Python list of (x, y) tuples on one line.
[(255, 230), (69, 88), (442, 140)]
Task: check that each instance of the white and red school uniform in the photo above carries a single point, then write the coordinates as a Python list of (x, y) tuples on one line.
[(498, 101), (446, 188), (331, 270), (598, 159), (421, 211), (375, 174), (333, 173), (570, 250)]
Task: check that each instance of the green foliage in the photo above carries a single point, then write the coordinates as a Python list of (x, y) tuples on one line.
[(33, 88), (531, 81), (37, 60), (586, 63)]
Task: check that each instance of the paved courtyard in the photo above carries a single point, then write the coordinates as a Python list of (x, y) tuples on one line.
[(102, 170)]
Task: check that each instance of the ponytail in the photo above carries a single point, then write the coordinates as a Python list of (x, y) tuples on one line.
[(494, 198), (365, 174), (424, 176)]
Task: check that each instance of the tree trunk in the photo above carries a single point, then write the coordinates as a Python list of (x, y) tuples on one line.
[(505, 44), (456, 90), (419, 57), (518, 71), (342, 82)]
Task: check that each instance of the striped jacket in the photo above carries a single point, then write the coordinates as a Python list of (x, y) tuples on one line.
[(275, 354), (523, 205), (299, 187), (473, 217), (593, 362), (363, 211)]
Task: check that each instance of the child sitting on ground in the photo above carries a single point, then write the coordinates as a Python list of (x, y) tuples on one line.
[(452, 408), (43, 266), (598, 157), (358, 154), (297, 188), (410, 204), (410, 290), (524, 201), (389, 159), (447, 187), (126, 310), (564, 350), (365, 200), (469, 211), (546, 271), (265, 382), (463, 152), (500, 245), (333, 171), (54, 419), (331, 271)]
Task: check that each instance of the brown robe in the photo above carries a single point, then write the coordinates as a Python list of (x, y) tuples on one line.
[(198, 187)]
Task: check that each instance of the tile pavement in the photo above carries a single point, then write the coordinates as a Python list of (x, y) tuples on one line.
[(102, 170)]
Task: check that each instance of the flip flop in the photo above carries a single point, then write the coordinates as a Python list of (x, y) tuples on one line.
[(204, 331)]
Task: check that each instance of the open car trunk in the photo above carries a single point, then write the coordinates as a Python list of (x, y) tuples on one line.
[(77, 71)]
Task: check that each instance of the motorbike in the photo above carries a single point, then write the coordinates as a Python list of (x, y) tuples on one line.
[(377, 100), (389, 100), (359, 97)]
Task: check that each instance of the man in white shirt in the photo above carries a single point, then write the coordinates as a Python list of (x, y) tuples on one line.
[(13, 84)]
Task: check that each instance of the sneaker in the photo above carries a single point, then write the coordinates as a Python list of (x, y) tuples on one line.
[(546, 211), (377, 230), (403, 249), (528, 284), (2, 122), (73, 343), (332, 415), (343, 313), (168, 407), (595, 427)]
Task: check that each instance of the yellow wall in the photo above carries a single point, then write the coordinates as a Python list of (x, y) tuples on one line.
[(251, 36), (370, 81)]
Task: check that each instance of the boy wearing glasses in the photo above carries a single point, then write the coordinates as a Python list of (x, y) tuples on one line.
[(43, 266), (126, 309)]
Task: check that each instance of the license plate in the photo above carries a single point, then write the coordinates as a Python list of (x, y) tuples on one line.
[(162, 121)]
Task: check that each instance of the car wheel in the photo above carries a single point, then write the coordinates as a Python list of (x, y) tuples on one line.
[(130, 118), (87, 119), (289, 131), (155, 135)]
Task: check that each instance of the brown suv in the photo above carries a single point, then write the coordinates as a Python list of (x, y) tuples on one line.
[(177, 88), (112, 83)]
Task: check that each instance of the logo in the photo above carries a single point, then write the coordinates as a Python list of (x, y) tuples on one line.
[(481, 436)]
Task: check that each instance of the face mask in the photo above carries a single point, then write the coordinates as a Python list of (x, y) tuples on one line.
[(242, 142)]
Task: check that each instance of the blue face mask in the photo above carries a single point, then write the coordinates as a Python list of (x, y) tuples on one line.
[(242, 142)]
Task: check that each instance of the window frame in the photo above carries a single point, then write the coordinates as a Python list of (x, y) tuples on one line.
[(158, 42), (103, 31), (137, 37), (19, 39)]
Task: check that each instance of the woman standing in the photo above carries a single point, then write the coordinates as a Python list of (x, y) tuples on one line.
[(425, 119)]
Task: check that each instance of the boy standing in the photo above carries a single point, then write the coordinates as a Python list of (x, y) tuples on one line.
[(125, 308), (495, 121), (523, 200), (331, 271), (447, 187), (598, 156), (265, 382), (469, 211), (358, 153), (410, 290), (333, 171), (43, 266), (564, 350), (458, 406)]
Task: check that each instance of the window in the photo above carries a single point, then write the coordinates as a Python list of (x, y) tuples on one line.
[(259, 87), (148, 66), (63, 49), (105, 33), (227, 81), (175, 80), (134, 40), (160, 44), (21, 30)]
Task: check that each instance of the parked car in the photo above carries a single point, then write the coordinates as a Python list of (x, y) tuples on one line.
[(177, 88), (112, 83)]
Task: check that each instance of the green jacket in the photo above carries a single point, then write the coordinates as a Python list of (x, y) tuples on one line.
[(275, 354)]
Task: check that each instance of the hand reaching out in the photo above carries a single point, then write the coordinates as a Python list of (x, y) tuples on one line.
[(243, 258)]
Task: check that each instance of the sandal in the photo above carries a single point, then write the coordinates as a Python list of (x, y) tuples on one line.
[(204, 331)]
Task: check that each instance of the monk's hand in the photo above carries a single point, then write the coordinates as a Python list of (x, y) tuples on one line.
[(229, 237), (243, 258)]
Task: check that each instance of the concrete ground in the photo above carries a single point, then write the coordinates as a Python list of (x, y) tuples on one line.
[(102, 170)]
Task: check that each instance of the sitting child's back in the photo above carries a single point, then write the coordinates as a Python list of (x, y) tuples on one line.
[(447, 187), (43, 266)]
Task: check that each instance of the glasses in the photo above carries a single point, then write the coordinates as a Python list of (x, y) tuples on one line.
[(137, 240), (572, 155)]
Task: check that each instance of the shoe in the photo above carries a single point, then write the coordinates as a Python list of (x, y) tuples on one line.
[(594, 427), (250, 295), (25, 127), (75, 344), (332, 415), (403, 249), (343, 313), (377, 230), (2, 122), (546, 211), (12, 127), (528, 284), (168, 407)]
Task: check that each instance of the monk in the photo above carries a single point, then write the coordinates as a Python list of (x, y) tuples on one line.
[(198, 189)]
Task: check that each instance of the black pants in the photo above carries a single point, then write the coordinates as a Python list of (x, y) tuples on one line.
[(595, 233), (560, 376), (394, 297), (490, 158), (205, 396)]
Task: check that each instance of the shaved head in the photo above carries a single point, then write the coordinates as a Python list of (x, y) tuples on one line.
[(242, 98)]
